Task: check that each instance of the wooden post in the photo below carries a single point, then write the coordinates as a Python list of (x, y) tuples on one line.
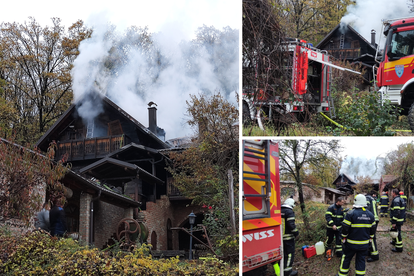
[(231, 202)]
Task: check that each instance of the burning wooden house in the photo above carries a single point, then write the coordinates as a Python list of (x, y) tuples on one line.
[(118, 171)]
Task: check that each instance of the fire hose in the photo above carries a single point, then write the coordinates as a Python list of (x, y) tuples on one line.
[(341, 126)]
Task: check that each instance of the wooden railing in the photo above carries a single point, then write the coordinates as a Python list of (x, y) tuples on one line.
[(345, 53), (90, 148)]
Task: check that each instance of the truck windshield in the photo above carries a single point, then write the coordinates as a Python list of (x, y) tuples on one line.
[(402, 44)]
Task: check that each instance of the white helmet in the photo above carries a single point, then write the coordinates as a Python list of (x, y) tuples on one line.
[(360, 201), (393, 233), (290, 202)]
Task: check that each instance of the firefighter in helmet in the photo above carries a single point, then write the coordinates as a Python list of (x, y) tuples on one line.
[(373, 249), (404, 199), (384, 204), (334, 217), (397, 219), (290, 232), (358, 228)]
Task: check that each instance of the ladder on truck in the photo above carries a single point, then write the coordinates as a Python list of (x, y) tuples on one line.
[(259, 151)]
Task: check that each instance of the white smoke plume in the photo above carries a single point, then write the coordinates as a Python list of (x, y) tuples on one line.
[(367, 15), (361, 166), (131, 72)]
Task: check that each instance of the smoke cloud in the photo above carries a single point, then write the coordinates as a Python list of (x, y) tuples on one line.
[(133, 67), (360, 166), (366, 15)]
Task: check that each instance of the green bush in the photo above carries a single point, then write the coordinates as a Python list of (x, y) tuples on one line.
[(38, 254), (317, 226), (365, 116)]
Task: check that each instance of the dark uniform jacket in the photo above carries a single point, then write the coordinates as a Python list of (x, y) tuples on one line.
[(289, 230), (334, 216), (397, 210), (384, 201), (57, 221), (372, 206), (404, 199), (358, 228)]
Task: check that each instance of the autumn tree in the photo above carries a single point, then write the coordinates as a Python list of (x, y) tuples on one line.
[(401, 164), (365, 185), (35, 63), (295, 155), (25, 176), (201, 171), (323, 173), (311, 19)]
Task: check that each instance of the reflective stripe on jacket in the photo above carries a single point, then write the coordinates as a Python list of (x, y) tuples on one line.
[(384, 201), (358, 228), (334, 216), (397, 210), (289, 228)]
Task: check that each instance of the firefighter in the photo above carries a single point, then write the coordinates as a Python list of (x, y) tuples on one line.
[(373, 249), (334, 217), (358, 228), (384, 204), (404, 199), (290, 232), (397, 219)]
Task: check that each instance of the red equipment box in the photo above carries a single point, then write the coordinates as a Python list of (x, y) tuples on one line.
[(310, 251)]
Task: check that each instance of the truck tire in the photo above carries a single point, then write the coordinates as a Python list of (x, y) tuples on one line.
[(247, 120), (410, 117)]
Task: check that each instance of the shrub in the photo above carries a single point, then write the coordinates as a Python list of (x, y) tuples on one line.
[(37, 253)]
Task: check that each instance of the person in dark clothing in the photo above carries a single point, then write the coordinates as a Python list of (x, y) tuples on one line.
[(57, 219), (384, 205), (334, 217), (404, 199), (358, 228), (42, 219), (373, 249), (290, 232), (397, 219)]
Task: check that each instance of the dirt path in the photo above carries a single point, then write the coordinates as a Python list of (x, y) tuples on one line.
[(390, 263)]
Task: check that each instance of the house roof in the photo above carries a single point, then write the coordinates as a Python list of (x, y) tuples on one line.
[(335, 191), (61, 123), (106, 195), (388, 178), (331, 33), (117, 171)]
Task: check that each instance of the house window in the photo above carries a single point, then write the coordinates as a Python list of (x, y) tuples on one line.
[(355, 44)]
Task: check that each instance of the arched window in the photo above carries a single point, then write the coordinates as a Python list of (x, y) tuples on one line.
[(154, 240)]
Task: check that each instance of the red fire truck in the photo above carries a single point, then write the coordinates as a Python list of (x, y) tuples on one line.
[(395, 75), (262, 221), (310, 70)]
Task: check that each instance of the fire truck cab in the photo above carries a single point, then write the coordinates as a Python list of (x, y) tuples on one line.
[(262, 219), (310, 74), (395, 75)]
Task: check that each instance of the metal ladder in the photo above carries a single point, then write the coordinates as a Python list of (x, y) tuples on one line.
[(341, 41), (263, 177), (89, 129)]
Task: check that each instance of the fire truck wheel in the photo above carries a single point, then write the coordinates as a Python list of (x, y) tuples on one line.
[(247, 120), (411, 117)]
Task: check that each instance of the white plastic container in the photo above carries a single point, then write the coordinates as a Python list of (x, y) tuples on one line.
[(320, 248)]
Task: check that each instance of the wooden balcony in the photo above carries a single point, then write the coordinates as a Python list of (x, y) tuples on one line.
[(83, 149), (345, 53)]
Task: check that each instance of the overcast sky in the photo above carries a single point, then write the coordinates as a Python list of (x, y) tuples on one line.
[(186, 15), (371, 147)]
